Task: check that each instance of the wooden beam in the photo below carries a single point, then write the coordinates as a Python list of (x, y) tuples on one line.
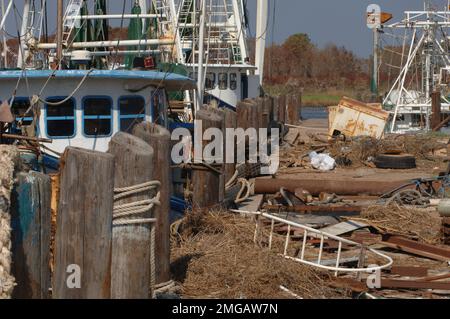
[(414, 284), (414, 247)]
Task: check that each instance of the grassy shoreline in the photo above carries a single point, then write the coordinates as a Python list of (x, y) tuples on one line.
[(321, 98)]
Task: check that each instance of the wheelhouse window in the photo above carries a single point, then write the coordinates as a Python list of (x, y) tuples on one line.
[(131, 112), (233, 81), (19, 108), (210, 81), (223, 81), (60, 118), (97, 116)]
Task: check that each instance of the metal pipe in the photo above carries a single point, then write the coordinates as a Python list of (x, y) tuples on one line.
[(111, 53), (112, 43), (115, 16), (317, 186)]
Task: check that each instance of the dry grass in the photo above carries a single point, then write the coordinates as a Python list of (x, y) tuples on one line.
[(359, 149), (423, 224), (214, 257)]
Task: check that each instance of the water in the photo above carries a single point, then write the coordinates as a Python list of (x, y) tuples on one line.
[(318, 112)]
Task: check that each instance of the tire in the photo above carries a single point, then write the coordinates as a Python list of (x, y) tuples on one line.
[(403, 161)]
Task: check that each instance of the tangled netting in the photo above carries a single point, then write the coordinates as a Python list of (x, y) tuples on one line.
[(8, 159)]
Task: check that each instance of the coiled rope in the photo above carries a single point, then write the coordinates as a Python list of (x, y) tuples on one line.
[(122, 214)]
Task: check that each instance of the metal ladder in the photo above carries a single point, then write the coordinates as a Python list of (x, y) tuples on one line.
[(185, 12), (314, 233), (73, 9)]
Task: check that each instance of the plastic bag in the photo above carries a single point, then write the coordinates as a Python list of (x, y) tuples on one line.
[(323, 162)]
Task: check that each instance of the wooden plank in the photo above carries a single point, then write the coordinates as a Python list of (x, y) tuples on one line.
[(31, 236), (416, 248), (410, 271), (83, 234), (414, 284), (159, 139), (344, 227), (131, 243), (252, 204)]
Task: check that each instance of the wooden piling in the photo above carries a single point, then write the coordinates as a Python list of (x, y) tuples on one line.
[(30, 210), (230, 120), (292, 111), (282, 105), (206, 182), (83, 233), (159, 139), (131, 243), (435, 110), (267, 112), (221, 113)]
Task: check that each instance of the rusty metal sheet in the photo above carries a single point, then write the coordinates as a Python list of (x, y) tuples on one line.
[(354, 118)]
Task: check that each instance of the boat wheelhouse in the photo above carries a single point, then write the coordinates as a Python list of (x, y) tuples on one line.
[(85, 108)]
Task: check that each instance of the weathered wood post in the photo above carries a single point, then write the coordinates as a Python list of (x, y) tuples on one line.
[(292, 114), (282, 105), (206, 182), (221, 113), (83, 233), (435, 110), (230, 119), (159, 139), (131, 242), (31, 215), (267, 111)]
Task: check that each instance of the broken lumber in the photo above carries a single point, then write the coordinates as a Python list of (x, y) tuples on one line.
[(414, 247), (414, 284)]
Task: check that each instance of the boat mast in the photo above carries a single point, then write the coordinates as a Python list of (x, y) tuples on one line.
[(261, 32), (23, 31), (201, 54), (59, 32)]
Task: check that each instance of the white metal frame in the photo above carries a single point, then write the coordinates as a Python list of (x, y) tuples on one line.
[(308, 231), (426, 26)]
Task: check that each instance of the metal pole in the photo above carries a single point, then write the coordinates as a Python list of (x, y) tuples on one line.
[(23, 34), (5, 46), (201, 54), (59, 33), (374, 86), (261, 33)]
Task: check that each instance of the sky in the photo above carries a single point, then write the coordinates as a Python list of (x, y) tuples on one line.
[(341, 22)]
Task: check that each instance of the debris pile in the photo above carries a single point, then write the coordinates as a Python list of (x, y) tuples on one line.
[(8, 160), (422, 224), (220, 260)]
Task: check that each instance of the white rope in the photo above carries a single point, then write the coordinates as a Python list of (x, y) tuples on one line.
[(137, 207), (121, 214)]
